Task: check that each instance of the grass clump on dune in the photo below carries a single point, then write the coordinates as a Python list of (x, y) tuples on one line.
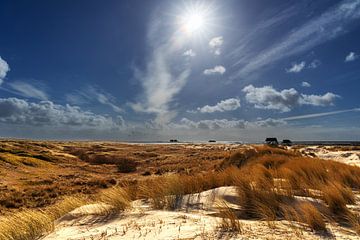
[(31, 224)]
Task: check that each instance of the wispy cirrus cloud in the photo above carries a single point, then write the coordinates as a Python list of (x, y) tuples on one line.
[(325, 27), (322, 114), (160, 81), (91, 94), (351, 57), (230, 104), (28, 90), (219, 69)]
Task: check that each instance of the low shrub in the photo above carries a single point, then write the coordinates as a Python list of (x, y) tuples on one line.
[(126, 165)]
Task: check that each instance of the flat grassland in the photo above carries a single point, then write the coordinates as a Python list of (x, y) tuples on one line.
[(237, 191)]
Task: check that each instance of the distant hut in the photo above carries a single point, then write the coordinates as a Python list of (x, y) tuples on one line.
[(271, 141), (286, 142), (212, 141), (174, 140)]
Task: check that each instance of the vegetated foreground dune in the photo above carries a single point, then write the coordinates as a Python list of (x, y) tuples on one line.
[(180, 191), (199, 216)]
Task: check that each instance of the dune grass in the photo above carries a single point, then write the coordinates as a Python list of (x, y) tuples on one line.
[(229, 220), (269, 182), (31, 224)]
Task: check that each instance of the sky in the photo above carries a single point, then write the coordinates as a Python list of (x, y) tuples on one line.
[(133, 70)]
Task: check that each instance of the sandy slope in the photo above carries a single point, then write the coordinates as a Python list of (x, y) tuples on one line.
[(348, 157), (195, 219)]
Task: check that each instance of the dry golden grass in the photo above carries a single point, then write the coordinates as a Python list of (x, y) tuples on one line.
[(118, 198), (268, 180), (310, 215), (31, 224), (25, 225), (229, 220)]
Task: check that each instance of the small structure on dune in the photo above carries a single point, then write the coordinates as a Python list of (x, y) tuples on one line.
[(286, 142), (174, 140), (212, 141), (271, 141)]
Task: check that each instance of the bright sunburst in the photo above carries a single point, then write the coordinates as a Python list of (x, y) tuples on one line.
[(193, 22), (195, 19)]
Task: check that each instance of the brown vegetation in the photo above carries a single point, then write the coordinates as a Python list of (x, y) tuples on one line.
[(272, 183)]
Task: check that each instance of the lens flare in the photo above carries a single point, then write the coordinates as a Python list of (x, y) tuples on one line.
[(194, 19)]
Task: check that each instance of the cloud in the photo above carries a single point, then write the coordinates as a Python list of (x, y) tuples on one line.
[(329, 25), (27, 90), (269, 98), (46, 113), (318, 100), (269, 122), (218, 124), (296, 67), (4, 68), (215, 44), (314, 64), (351, 57), (216, 70), (209, 124), (93, 93), (161, 81), (316, 115), (305, 84), (189, 53), (230, 104)]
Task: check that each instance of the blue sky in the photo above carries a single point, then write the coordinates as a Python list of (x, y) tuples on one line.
[(192, 70)]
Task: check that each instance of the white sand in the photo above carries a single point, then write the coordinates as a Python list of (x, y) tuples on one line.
[(348, 157), (196, 219)]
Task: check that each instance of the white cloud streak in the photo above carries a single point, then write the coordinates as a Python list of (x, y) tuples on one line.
[(27, 90), (316, 115), (93, 93), (327, 26), (230, 104), (219, 69), (161, 82)]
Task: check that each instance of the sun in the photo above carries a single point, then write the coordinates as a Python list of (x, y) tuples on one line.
[(194, 19), (193, 22)]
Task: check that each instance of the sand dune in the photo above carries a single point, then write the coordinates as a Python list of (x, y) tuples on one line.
[(196, 218), (327, 153)]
